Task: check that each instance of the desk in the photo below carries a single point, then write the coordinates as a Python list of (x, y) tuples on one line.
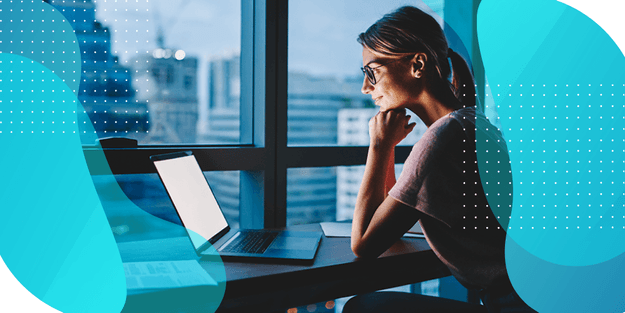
[(266, 287)]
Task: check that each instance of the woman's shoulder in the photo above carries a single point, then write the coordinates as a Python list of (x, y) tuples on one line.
[(454, 122), (451, 129), (461, 120), (467, 114)]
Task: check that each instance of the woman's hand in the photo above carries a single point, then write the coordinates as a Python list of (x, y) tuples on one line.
[(388, 128)]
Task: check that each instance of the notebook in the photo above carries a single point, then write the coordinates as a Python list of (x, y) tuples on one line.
[(206, 225)]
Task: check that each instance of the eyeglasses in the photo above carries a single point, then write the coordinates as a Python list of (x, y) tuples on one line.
[(368, 70)]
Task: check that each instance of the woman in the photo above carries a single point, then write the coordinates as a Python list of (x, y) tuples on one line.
[(405, 56)]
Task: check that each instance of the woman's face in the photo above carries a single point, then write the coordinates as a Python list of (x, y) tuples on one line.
[(395, 86)]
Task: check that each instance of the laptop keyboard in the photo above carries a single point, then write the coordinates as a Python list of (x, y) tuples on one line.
[(251, 242)]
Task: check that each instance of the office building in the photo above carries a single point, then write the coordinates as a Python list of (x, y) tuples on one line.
[(106, 91), (221, 123), (166, 79)]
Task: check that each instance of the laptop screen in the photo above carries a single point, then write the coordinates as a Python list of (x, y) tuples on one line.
[(192, 197)]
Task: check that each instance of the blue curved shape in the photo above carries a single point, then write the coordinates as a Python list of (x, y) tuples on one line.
[(47, 179), (562, 116), (549, 287), (555, 80), (55, 234)]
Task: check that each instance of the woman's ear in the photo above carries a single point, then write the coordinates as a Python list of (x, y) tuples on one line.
[(418, 64)]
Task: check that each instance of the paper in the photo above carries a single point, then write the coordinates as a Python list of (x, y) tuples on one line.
[(339, 229), (334, 229), (165, 274), (416, 229)]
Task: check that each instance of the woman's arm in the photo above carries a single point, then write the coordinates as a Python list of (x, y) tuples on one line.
[(380, 220), (390, 173)]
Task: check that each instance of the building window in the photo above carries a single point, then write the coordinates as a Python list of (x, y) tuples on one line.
[(188, 82)]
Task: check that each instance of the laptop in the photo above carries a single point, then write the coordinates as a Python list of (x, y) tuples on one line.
[(206, 224)]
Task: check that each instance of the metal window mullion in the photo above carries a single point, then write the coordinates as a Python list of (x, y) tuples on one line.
[(276, 77), (253, 188), (265, 92), (263, 193), (137, 160), (335, 156), (282, 112)]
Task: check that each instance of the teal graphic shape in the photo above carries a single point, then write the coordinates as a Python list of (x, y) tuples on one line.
[(114, 201), (553, 288), (554, 76), (48, 183), (562, 118), (38, 31), (62, 205), (56, 239)]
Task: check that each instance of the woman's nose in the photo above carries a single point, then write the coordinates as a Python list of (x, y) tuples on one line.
[(366, 86)]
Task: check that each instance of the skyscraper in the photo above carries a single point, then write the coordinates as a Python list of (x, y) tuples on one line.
[(221, 123), (166, 80), (105, 92)]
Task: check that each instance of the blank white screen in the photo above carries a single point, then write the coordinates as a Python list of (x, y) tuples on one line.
[(192, 198)]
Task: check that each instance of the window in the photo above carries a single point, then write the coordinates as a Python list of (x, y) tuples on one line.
[(270, 100), (161, 48)]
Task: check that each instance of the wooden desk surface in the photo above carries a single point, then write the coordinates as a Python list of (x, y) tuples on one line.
[(278, 285)]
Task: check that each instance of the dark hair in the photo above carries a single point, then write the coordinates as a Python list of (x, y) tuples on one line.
[(409, 30)]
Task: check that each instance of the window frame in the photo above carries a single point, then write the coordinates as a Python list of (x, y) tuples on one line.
[(262, 164)]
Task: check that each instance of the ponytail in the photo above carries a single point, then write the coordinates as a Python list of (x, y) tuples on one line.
[(462, 82)]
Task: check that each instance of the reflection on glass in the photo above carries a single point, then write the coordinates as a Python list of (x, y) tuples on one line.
[(162, 72), (144, 211)]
